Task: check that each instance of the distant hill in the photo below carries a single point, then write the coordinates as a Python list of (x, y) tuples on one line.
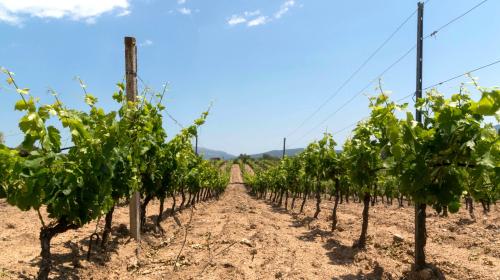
[(208, 154), (279, 153)]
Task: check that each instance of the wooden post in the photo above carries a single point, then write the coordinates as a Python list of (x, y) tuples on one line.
[(284, 147), (131, 90), (420, 228)]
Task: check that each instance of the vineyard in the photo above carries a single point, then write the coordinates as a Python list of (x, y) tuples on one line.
[(412, 193), (322, 212)]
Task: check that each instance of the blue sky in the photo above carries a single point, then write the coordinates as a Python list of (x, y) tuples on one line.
[(265, 64)]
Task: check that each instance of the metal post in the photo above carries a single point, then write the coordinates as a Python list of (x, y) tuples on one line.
[(284, 147), (196, 145), (420, 228), (131, 90), (420, 46)]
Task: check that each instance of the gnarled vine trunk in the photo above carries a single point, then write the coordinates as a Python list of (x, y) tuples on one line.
[(303, 202), (183, 195), (281, 198), (189, 201), (335, 205), (361, 243), (318, 200), (193, 200), (174, 201), (486, 206), (293, 200), (144, 206), (469, 204), (46, 235), (107, 227), (160, 214)]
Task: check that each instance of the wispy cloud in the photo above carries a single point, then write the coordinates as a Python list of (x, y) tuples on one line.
[(256, 18), (252, 14), (285, 7), (146, 43), (15, 12), (247, 16), (124, 13), (184, 11), (258, 21), (236, 19)]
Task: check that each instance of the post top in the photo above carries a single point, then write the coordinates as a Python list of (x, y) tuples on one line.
[(129, 40)]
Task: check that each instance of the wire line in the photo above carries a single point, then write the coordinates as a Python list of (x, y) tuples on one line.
[(455, 19), (463, 74), (360, 92), (344, 84), (397, 61), (174, 120)]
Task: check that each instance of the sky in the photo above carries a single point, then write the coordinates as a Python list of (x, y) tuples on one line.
[(265, 65)]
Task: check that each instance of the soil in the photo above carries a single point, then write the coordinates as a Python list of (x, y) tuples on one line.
[(240, 237)]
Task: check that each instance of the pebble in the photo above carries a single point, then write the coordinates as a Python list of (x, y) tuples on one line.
[(397, 238), (246, 242)]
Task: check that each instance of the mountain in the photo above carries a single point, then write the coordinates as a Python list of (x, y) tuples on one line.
[(208, 154), (279, 153)]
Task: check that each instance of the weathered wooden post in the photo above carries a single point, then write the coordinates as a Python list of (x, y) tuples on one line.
[(131, 90)]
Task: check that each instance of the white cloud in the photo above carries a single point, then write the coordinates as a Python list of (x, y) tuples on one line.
[(256, 18), (124, 13), (236, 19), (181, 2), (252, 14), (91, 20), (258, 21), (146, 43), (285, 7), (184, 11), (7, 17), (247, 16), (16, 11)]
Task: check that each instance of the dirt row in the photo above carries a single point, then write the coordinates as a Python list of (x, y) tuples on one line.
[(239, 237)]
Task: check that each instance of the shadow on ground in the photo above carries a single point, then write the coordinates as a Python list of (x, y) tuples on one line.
[(377, 273), (65, 265)]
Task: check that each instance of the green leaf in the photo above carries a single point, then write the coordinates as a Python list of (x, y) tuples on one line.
[(55, 138), (489, 104), (90, 99), (21, 105)]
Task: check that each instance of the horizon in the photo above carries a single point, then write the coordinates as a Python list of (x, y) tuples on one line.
[(267, 66)]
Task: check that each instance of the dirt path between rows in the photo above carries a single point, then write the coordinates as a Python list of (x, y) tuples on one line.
[(250, 240)]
